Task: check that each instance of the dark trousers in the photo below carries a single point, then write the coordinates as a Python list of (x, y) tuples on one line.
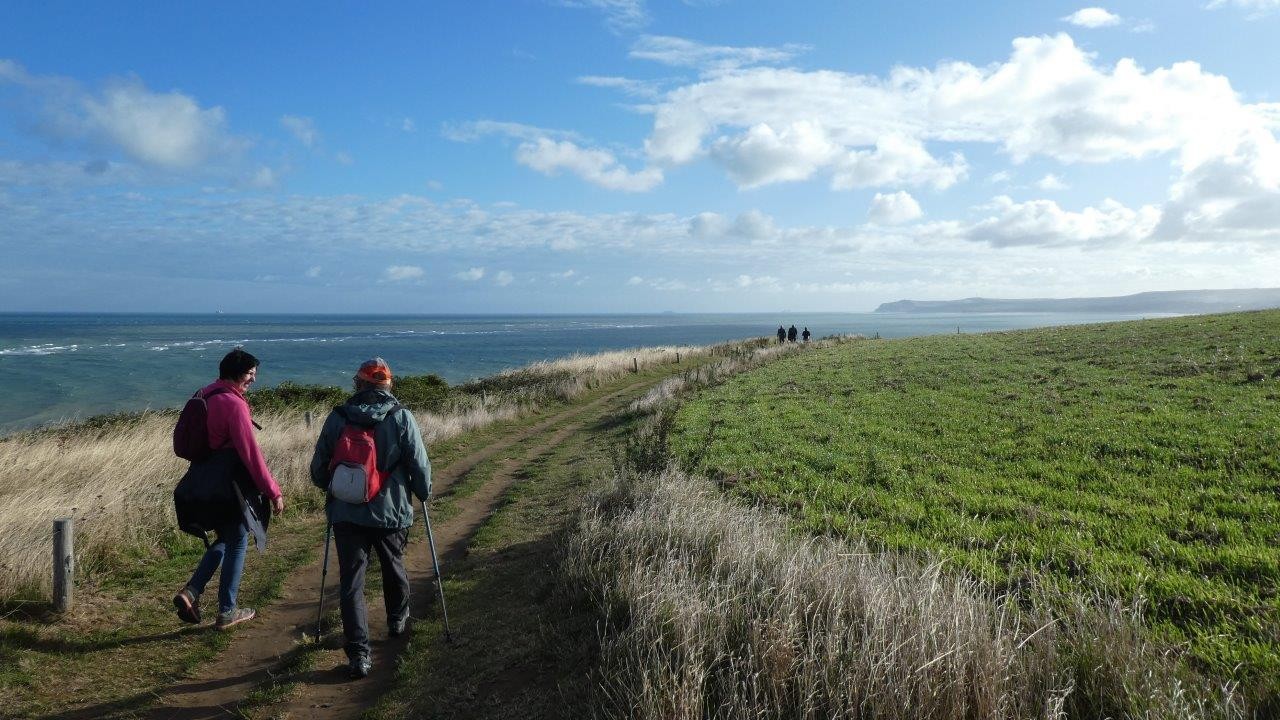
[(354, 542)]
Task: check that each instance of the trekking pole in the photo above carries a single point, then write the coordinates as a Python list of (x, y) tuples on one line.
[(431, 541), (324, 571)]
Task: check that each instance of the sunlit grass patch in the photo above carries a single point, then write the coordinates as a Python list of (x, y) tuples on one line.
[(1136, 460)]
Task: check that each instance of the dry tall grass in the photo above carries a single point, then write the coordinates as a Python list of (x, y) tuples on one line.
[(715, 610), (118, 485)]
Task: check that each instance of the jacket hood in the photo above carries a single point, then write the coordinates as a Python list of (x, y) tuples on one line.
[(369, 406)]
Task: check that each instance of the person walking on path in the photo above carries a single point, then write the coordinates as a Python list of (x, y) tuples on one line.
[(382, 522), (782, 334), (805, 334), (791, 333), (230, 425)]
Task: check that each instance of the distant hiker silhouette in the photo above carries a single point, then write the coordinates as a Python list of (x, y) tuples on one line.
[(791, 333), (805, 334), (782, 334)]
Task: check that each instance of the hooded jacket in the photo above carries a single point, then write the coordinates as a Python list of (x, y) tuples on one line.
[(399, 449)]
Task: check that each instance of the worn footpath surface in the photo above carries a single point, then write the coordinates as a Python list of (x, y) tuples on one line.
[(272, 667)]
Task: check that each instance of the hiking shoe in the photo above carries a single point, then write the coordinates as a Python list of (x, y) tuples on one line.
[(359, 667), (395, 628), (188, 605), (235, 617)]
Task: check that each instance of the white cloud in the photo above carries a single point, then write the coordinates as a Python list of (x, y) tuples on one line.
[(1001, 176), (503, 278), (897, 161), (1051, 183), (1044, 223), (302, 128), (163, 130), (1049, 99), (761, 155), (598, 167), (263, 177), (396, 273), (766, 283), (637, 88), (1256, 8), (620, 15), (1093, 17), (708, 225), (894, 208), (753, 225), (681, 52), (1008, 248), (408, 125), (314, 271), (1231, 199), (343, 158), (474, 130), (564, 275), (470, 275), (668, 285), (552, 151)]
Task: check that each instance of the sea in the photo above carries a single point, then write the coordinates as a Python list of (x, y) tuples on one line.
[(67, 366)]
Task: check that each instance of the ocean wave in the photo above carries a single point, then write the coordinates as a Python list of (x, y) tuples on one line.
[(46, 349), (197, 345)]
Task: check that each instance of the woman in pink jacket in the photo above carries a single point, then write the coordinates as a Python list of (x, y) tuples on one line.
[(230, 426)]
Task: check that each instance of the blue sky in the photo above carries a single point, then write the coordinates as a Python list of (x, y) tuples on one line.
[(631, 156)]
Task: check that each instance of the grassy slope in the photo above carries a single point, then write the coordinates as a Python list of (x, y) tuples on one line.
[(1136, 459)]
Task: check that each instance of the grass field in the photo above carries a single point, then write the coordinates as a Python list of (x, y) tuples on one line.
[(1133, 460)]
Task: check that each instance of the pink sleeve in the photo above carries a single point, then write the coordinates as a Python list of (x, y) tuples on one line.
[(240, 428)]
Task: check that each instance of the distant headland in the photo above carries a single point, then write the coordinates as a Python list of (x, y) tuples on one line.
[(1174, 301)]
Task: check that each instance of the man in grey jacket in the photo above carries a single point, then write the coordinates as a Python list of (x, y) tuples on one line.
[(381, 524)]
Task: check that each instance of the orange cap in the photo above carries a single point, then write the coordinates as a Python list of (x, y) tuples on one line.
[(375, 370)]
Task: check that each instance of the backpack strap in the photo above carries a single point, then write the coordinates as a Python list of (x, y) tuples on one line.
[(223, 391)]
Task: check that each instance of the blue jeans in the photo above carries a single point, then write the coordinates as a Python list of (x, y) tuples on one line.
[(228, 551)]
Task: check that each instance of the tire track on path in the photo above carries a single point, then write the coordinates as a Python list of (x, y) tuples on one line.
[(259, 651)]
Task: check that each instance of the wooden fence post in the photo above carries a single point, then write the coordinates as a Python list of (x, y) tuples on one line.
[(63, 563), (635, 365), (677, 358), (307, 417)]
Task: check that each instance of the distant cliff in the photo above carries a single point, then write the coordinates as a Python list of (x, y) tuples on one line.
[(1175, 301)]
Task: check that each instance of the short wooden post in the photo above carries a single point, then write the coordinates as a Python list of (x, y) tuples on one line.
[(63, 563), (677, 358), (307, 417), (635, 365)]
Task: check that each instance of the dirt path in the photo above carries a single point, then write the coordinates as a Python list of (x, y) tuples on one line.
[(259, 651)]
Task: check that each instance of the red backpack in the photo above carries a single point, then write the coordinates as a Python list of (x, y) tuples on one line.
[(191, 434), (354, 476)]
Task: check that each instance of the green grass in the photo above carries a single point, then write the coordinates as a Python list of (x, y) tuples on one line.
[(1137, 460), (122, 643)]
